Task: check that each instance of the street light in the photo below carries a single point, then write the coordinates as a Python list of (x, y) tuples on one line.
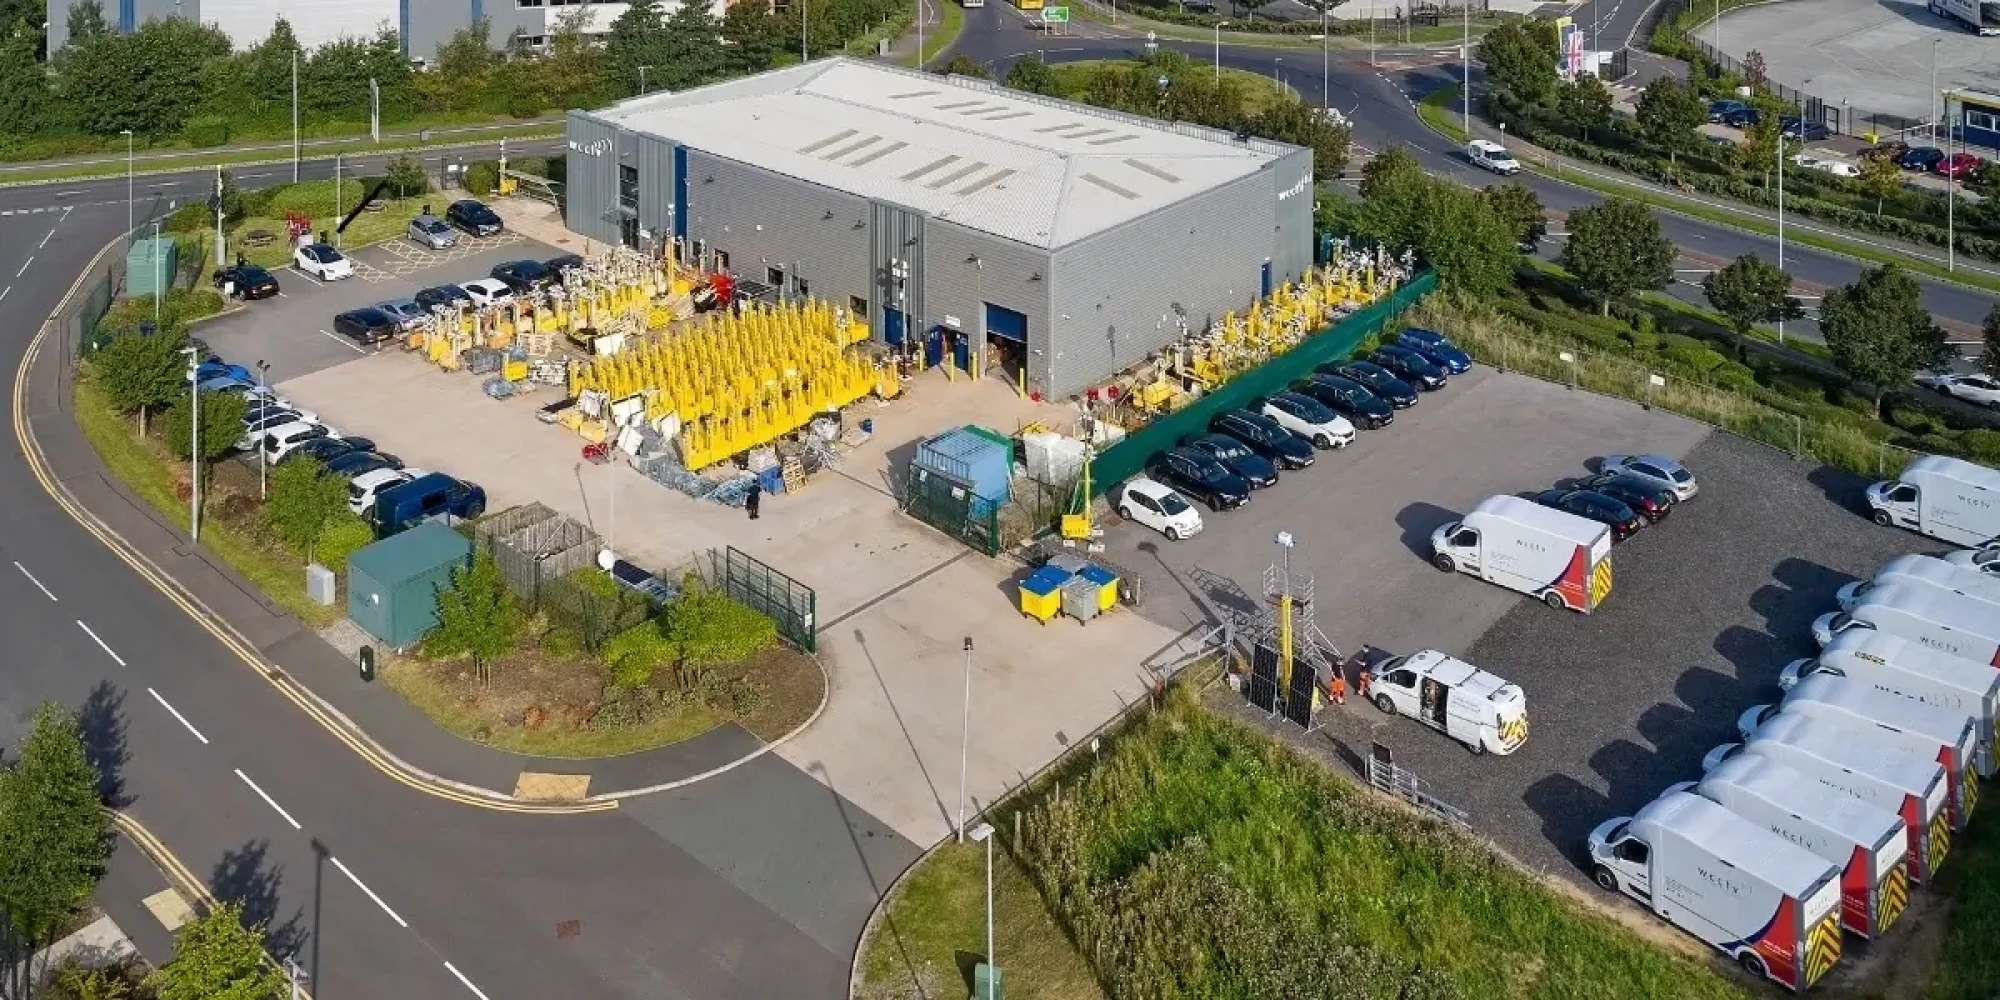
[(1932, 111), (964, 737), (159, 279), (1465, 58), (642, 80), (1951, 188), (194, 445), (984, 834), (804, 54), (1218, 50), (1781, 210), (129, 224), (295, 114), (263, 380)]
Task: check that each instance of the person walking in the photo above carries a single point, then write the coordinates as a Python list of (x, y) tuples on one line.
[(756, 496)]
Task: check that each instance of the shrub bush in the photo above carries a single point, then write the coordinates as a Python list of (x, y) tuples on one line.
[(635, 654), (342, 537), (706, 627), (313, 198), (206, 130), (193, 217), (482, 177), (1981, 444)]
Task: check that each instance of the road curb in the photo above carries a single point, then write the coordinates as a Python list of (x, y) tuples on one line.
[(881, 908), (187, 168)]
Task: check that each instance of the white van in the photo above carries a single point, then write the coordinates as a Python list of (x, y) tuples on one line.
[(1857, 763), (1492, 156), (1947, 498), (1867, 842), (1901, 667), (1769, 904), (1559, 557), (1453, 697), (1926, 571), (1916, 729), (1942, 620)]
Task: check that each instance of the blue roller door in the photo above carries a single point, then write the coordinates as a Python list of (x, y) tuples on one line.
[(1006, 324), (1265, 281)]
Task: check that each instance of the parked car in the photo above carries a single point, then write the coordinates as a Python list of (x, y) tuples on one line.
[(322, 262), (1743, 118), (1958, 165), (254, 430), (1348, 398), (1264, 436), (221, 369), (1798, 129), (258, 409), (440, 295), (1838, 168), (1719, 111), (474, 217), (1379, 381), (252, 392), (488, 292), (1308, 418), (402, 506), (366, 325), (327, 449), (1891, 150), (430, 232), (1983, 390), (1201, 477), (1409, 366), (355, 463), (1158, 507), (1490, 155), (282, 440), (1623, 520), (1650, 500), (1656, 469), (1236, 457), (1920, 158), (1437, 349), (363, 488), (558, 265), (245, 281), (407, 314), (524, 276)]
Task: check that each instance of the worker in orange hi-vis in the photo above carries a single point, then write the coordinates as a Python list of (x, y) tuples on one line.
[(1336, 683)]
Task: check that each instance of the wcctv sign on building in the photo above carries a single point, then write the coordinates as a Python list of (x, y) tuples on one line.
[(595, 147), (1295, 190)]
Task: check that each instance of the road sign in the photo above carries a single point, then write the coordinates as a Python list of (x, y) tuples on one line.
[(1055, 15)]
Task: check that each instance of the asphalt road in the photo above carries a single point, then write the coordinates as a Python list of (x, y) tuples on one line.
[(381, 890)]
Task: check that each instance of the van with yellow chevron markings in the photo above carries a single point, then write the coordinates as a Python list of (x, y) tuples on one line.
[(1486, 713)]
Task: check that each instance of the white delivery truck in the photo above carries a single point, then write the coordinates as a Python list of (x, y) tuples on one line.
[(1942, 620), (1451, 696), (1559, 557), (1901, 667), (1922, 571), (1947, 498), (1857, 764), (1766, 902), (1868, 843), (1916, 729)]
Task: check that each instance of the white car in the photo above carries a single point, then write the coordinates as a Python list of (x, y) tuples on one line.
[(1157, 506), (1492, 156), (1985, 560), (1831, 624), (265, 422), (361, 492), (1983, 390), (488, 292), (1310, 419), (322, 262), (284, 439)]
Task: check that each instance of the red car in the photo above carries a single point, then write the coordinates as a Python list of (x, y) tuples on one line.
[(1958, 165)]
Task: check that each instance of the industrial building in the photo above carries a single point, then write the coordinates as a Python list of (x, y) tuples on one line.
[(972, 222)]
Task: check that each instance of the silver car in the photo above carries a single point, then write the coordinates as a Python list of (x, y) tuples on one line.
[(407, 314), (430, 231), (1657, 470)]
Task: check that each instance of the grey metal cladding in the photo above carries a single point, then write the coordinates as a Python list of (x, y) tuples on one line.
[(763, 219), (1205, 254), (1008, 274), (590, 190), (1292, 236), (655, 160), (896, 249)]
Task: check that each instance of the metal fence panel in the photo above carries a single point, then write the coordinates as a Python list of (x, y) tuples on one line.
[(951, 506), (748, 581)]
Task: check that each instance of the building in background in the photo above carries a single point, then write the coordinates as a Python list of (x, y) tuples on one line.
[(1067, 239)]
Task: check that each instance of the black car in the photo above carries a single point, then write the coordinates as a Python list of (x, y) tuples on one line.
[(1200, 476), (1793, 127), (474, 217), (1719, 111), (246, 281), (524, 276), (367, 325), (1377, 379), (1265, 436), (440, 295), (1743, 118), (1650, 501), (1348, 398), (1922, 159), (326, 449), (1236, 456), (557, 265), (1596, 507), (359, 463), (1409, 366)]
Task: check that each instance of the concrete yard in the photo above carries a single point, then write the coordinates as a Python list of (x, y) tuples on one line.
[(1873, 56)]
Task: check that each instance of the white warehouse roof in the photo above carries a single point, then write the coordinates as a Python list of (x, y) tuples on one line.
[(1038, 171)]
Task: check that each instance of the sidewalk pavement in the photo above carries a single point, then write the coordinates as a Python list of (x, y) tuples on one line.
[(99, 945), (301, 656), (903, 48), (144, 158)]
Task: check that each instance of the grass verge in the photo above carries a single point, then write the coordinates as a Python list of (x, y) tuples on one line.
[(462, 714), (934, 929), (1075, 80), (1969, 966), (1384, 39), (145, 468), (951, 18), (1435, 110)]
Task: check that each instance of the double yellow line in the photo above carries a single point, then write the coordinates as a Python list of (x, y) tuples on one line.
[(380, 759)]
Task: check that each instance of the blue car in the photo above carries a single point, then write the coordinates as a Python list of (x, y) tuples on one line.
[(218, 369), (1436, 349)]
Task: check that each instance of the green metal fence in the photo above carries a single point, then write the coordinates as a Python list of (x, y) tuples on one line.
[(952, 507), (1127, 458), (793, 605)]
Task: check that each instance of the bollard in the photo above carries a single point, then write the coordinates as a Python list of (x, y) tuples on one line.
[(367, 662)]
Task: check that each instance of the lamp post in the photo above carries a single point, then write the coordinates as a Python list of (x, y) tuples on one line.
[(1715, 35), (336, 192), (642, 80), (984, 834), (964, 738), (1932, 111), (295, 115), (1781, 212), (194, 445), (805, 55), (1951, 188), (1218, 50), (263, 381), (920, 34), (129, 224), (159, 278), (1465, 60)]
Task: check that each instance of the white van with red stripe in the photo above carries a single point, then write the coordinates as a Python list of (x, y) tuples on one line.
[(1897, 666), (1944, 621), (1558, 557)]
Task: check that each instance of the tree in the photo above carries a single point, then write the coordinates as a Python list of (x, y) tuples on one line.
[(1520, 210), (1758, 151), (964, 65), (406, 177), (463, 73), (86, 21), (573, 72), (141, 373), (1880, 178), (221, 424), (25, 102), (1989, 335), (149, 81), (52, 828), (636, 38), (1754, 70), (267, 66), (1472, 248), (1749, 291), (1520, 58), (304, 499), (1878, 332), (1032, 76), (1584, 104), (476, 616), (217, 957), (1288, 119), (755, 37), (1616, 248), (1669, 113)]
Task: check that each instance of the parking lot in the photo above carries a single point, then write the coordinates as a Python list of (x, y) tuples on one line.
[(294, 332)]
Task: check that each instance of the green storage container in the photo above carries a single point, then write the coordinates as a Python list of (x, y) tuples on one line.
[(149, 266), (392, 585)]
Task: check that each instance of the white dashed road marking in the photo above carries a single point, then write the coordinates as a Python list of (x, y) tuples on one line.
[(100, 642), (183, 719), (268, 800)]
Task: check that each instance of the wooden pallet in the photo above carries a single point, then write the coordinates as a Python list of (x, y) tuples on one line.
[(794, 474)]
